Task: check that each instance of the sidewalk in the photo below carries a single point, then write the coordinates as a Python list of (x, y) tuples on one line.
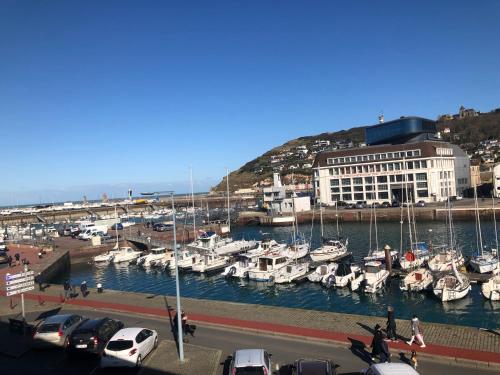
[(458, 342)]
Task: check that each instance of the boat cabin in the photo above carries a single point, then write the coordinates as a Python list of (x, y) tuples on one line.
[(269, 263), (374, 267), (158, 250)]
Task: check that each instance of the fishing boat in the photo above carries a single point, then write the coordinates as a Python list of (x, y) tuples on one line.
[(268, 266), (491, 288), (375, 276), (321, 271), (291, 272), (341, 276), (126, 254), (209, 262), (155, 255), (106, 257), (417, 280), (483, 261), (243, 263), (186, 259)]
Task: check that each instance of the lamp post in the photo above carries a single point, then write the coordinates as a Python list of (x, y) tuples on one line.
[(180, 335)]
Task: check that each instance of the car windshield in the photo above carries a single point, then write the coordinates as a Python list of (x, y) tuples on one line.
[(120, 345), (249, 371), (46, 328)]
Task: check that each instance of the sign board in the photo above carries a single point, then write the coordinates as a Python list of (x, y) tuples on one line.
[(19, 283)]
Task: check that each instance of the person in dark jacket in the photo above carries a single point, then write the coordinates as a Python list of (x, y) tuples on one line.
[(385, 355), (391, 324), (377, 342), (67, 289), (84, 289)]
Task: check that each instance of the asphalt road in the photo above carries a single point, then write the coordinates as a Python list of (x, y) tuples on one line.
[(284, 350)]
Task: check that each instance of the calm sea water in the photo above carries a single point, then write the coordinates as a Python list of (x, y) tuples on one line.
[(473, 310)]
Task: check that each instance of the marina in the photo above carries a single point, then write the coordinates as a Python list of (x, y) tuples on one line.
[(472, 310)]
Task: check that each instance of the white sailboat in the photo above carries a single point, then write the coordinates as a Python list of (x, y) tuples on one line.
[(484, 261), (291, 272), (243, 263), (331, 249), (186, 259), (108, 256), (209, 262), (126, 254), (455, 285), (150, 259), (491, 288)]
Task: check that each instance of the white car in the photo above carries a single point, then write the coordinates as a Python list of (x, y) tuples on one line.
[(128, 347), (390, 369), (250, 361)]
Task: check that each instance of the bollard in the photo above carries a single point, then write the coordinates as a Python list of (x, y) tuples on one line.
[(40, 301)]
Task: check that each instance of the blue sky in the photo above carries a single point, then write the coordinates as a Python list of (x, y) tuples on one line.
[(99, 95)]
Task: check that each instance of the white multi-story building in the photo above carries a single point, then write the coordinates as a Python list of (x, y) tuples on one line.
[(424, 170)]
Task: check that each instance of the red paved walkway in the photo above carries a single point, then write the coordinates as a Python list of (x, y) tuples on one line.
[(432, 349)]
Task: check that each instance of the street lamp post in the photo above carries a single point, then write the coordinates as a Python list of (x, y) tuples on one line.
[(180, 335)]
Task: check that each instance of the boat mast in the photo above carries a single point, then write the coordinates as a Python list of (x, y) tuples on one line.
[(228, 203), (407, 204), (116, 230), (337, 218), (192, 200), (495, 224), (478, 221), (321, 219), (401, 233)]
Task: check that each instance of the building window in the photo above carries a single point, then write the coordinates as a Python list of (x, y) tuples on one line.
[(409, 177), (358, 188), (382, 179), (336, 171), (335, 190), (422, 193), (346, 181), (359, 169), (331, 171), (422, 177), (335, 197), (383, 156), (347, 197), (329, 161), (370, 195), (397, 166), (383, 195), (357, 181), (358, 196), (421, 185), (389, 155), (368, 180), (390, 166), (409, 165), (383, 187), (416, 153), (371, 157), (334, 182), (365, 157), (377, 167), (409, 154), (346, 189), (358, 158), (377, 157), (399, 178), (369, 187)]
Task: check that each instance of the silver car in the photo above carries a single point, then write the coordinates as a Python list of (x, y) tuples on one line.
[(54, 331)]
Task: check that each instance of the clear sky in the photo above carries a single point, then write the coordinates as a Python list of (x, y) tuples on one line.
[(101, 95)]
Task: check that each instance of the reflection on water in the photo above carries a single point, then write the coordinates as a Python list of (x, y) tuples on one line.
[(472, 310)]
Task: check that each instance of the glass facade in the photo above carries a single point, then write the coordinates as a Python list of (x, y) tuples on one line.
[(400, 129)]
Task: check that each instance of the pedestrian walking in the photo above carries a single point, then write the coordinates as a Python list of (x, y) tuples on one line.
[(39, 281), (66, 288), (9, 260), (391, 324), (376, 342), (385, 354), (74, 294), (84, 289), (99, 288), (17, 256), (416, 332), (40, 256)]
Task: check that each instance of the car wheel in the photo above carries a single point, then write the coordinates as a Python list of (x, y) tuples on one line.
[(156, 342), (139, 361)]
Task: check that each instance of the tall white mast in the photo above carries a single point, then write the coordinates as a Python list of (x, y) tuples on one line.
[(192, 201), (495, 225), (321, 219)]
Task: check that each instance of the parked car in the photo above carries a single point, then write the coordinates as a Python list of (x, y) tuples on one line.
[(396, 204), (313, 367), (385, 204), (420, 204), (128, 347), (250, 361), (360, 204), (117, 226), (375, 205), (4, 257), (390, 369), (161, 227), (92, 335), (55, 330)]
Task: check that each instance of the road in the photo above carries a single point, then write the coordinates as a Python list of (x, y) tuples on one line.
[(285, 351)]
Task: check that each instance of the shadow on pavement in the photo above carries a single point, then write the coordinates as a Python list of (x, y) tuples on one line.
[(358, 348), (48, 313)]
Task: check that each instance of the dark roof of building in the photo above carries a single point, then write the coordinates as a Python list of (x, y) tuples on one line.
[(427, 149)]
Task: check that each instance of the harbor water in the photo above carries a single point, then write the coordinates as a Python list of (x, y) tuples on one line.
[(473, 310)]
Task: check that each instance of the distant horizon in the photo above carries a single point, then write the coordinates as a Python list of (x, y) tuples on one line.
[(134, 94)]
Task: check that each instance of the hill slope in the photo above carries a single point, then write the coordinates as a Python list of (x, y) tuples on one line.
[(291, 157)]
